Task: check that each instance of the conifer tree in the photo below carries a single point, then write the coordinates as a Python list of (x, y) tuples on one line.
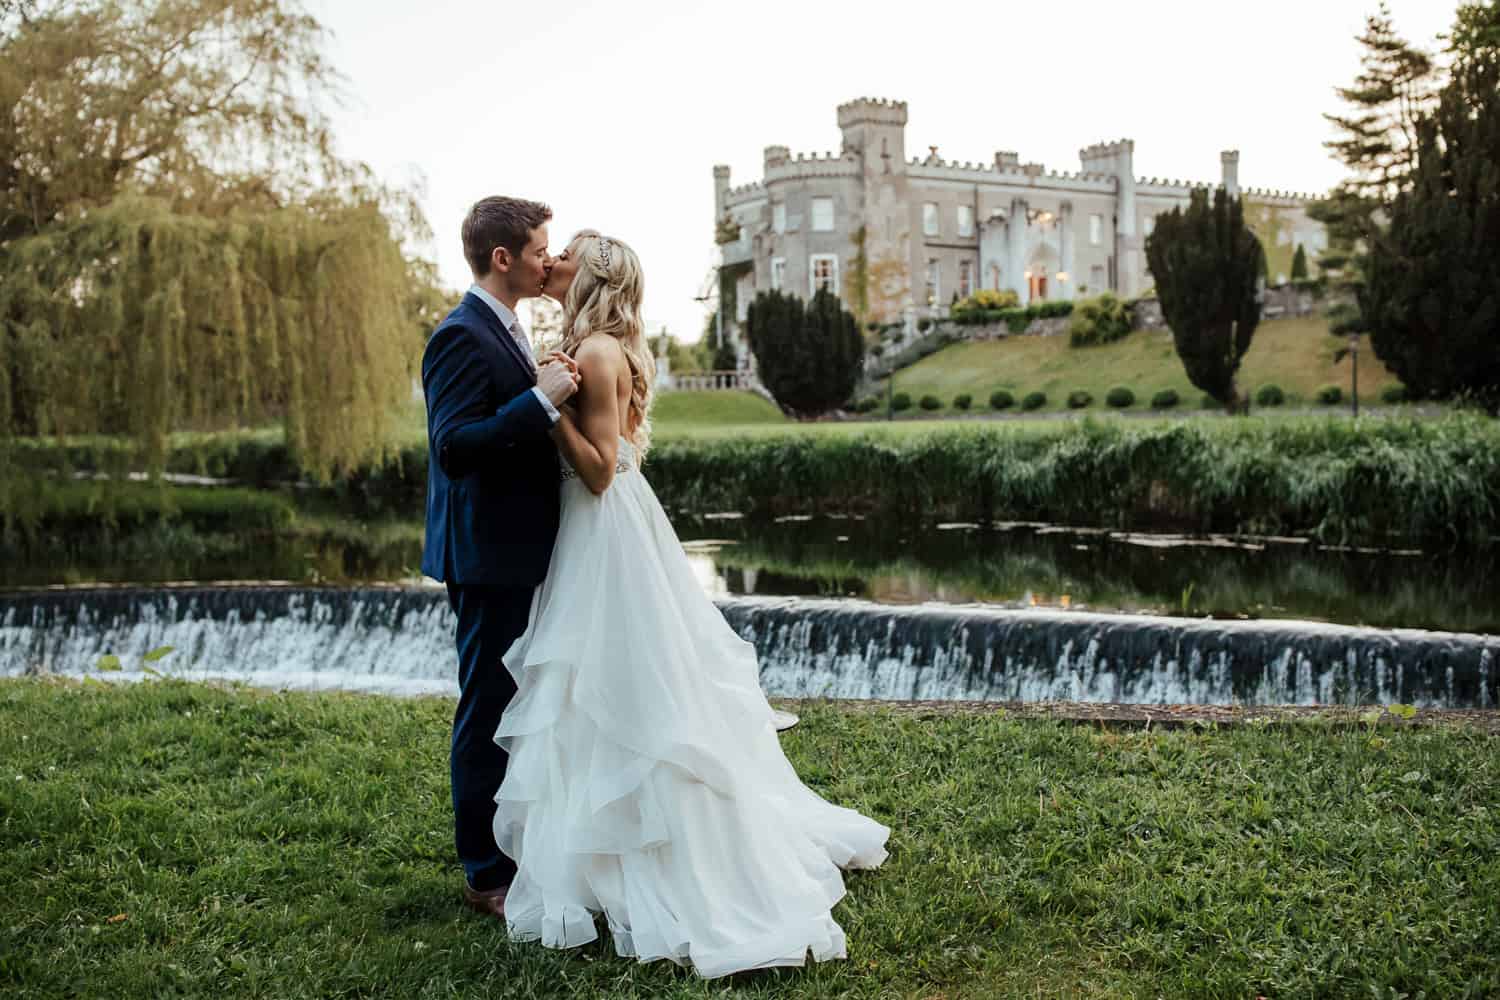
[(1299, 264), (808, 354), (1205, 262), (1432, 295)]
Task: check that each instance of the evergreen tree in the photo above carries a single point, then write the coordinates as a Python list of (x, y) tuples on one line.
[(1299, 264), (808, 354), (1205, 260), (1375, 140), (1432, 297)]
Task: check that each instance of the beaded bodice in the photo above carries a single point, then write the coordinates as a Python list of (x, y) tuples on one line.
[(624, 461)]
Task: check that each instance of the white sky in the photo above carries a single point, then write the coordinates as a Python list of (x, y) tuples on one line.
[(614, 113)]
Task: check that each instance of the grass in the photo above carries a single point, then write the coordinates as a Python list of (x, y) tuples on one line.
[(1296, 354), (182, 839), (699, 409)]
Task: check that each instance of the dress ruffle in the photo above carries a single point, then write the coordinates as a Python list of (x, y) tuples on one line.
[(646, 780)]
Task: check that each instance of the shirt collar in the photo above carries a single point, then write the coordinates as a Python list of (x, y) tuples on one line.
[(507, 318)]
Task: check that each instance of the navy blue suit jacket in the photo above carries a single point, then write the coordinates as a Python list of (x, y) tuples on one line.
[(492, 469)]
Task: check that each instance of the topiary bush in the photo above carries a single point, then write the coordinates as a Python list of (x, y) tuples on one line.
[(1269, 394), (1080, 399), (1103, 319), (1166, 399), (1120, 398), (1393, 394), (962, 401), (1034, 401), (1330, 395), (1001, 400), (901, 401), (866, 405), (930, 402)]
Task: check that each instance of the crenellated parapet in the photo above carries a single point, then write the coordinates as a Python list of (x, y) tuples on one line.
[(814, 165), (1278, 197), (744, 193), (873, 111), (1010, 172)]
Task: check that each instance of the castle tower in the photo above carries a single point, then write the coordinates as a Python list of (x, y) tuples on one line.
[(1229, 162), (875, 129), (1117, 160)]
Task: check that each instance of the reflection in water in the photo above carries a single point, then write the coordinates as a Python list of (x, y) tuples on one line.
[(902, 562)]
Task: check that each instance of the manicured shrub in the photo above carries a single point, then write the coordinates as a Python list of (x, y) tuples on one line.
[(1269, 394), (1001, 400), (866, 404), (1080, 399), (931, 402), (1103, 319), (1330, 395), (1120, 398), (901, 401), (1052, 309), (1166, 399), (1393, 394), (1034, 401), (962, 401), (924, 324), (985, 300)]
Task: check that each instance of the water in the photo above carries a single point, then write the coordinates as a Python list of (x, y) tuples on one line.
[(398, 639), (1007, 565)]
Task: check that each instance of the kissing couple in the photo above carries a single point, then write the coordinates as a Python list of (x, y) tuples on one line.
[(612, 750)]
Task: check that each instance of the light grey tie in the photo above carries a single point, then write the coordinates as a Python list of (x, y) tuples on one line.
[(518, 333)]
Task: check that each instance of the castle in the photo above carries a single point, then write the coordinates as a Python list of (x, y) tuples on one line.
[(897, 238)]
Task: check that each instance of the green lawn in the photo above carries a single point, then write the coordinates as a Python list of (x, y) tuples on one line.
[(1296, 354), (187, 840), (692, 410)]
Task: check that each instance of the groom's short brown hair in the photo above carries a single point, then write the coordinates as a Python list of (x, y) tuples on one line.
[(499, 222)]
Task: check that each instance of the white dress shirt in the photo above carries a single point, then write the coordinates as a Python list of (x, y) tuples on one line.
[(513, 328)]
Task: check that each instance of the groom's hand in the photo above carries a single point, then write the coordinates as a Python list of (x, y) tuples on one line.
[(557, 377)]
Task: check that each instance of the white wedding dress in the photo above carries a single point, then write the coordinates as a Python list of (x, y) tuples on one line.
[(645, 780)]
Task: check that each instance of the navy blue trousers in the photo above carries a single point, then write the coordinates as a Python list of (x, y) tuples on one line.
[(489, 620)]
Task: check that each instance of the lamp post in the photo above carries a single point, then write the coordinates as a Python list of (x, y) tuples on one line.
[(1354, 372)]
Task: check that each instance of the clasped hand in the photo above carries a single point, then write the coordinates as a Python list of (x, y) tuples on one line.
[(558, 377)]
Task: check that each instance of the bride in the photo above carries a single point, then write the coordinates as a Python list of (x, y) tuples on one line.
[(645, 779)]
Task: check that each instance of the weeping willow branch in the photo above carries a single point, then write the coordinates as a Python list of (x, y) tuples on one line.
[(137, 319)]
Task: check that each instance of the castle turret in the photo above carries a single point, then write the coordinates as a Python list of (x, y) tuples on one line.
[(721, 191), (775, 156), (1229, 162), (876, 129)]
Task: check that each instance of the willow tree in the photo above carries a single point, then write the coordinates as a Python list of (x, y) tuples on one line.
[(179, 246)]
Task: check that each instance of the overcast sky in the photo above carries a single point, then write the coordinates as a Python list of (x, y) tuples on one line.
[(614, 113)]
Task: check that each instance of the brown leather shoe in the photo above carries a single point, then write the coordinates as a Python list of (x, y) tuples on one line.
[(491, 902)]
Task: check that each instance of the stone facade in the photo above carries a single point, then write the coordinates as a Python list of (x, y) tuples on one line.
[(897, 237)]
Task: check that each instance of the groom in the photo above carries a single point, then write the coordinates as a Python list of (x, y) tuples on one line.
[(492, 502)]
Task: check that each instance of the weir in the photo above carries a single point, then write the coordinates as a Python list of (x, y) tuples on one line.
[(399, 640)]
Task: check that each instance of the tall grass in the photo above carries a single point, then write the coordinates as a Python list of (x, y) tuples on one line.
[(1332, 479)]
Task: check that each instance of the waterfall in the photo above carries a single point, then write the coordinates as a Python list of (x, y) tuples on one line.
[(399, 640)]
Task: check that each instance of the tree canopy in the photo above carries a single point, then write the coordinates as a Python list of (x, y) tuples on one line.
[(180, 247)]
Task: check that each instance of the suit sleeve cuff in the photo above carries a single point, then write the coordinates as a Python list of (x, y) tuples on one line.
[(541, 396)]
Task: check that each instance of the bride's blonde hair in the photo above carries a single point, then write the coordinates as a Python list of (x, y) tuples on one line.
[(605, 297)]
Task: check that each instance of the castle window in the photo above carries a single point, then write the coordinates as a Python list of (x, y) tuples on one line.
[(778, 218), (934, 284), (1148, 225), (778, 273), (822, 215), (966, 220), (823, 272), (965, 278), (929, 218), (1096, 230)]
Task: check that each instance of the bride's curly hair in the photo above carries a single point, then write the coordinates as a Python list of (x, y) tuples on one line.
[(605, 297)]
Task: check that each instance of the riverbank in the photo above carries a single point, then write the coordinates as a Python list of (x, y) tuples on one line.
[(170, 837), (1389, 482)]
